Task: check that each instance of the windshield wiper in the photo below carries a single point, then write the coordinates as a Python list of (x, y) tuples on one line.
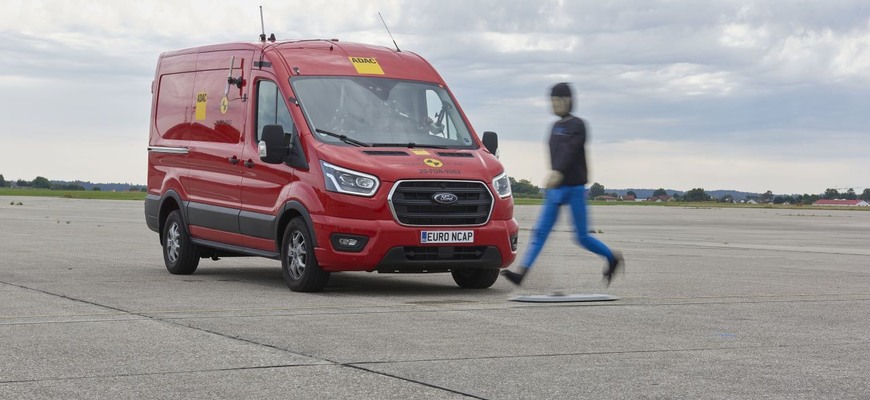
[(409, 145), (343, 138)]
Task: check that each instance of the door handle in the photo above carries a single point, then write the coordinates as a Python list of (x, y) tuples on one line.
[(234, 160), (249, 164)]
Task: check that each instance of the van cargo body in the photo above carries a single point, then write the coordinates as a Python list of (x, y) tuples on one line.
[(326, 155)]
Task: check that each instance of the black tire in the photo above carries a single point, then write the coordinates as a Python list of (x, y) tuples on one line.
[(468, 278), (301, 272), (179, 253)]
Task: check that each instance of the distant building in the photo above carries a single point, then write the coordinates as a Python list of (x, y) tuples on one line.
[(847, 203), (604, 198), (628, 197), (660, 199)]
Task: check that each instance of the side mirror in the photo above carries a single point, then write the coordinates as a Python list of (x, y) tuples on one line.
[(490, 141), (273, 147)]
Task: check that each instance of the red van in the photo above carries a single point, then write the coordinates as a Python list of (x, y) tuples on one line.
[(326, 155)]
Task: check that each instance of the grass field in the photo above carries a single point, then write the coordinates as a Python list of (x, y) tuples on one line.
[(73, 194)]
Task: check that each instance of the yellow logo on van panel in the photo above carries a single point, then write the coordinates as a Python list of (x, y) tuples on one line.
[(200, 105), (225, 105), (420, 152), (433, 162), (366, 65)]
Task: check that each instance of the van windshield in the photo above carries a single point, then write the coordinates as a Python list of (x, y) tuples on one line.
[(382, 111)]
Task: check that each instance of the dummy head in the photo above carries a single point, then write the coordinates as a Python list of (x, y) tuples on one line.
[(561, 97)]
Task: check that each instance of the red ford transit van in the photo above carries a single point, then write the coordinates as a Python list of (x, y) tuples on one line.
[(326, 155)]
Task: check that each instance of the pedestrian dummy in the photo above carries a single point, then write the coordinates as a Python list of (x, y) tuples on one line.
[(566, 186)]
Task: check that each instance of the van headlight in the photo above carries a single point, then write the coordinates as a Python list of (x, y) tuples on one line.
[(343, 180), (502, 185)]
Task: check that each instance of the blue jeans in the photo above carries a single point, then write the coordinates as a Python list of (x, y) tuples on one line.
[(575, 197)]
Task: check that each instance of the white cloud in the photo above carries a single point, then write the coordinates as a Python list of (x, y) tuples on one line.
[(515, 42), (744, 36), (681, 80), (852, 57)]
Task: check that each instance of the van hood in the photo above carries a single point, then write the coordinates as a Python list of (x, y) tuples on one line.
[(392, 164)]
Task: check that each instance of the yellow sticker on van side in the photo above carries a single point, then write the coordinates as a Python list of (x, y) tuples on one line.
[(366, 65), (200, 105), (225, 105)]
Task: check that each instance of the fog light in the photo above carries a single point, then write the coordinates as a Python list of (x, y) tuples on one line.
[(348, 243), (514, 240)]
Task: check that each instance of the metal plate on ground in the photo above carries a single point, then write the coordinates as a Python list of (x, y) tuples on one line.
[(562, 298)]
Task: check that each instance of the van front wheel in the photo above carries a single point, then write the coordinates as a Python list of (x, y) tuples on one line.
[(301, 272), (468, 278)]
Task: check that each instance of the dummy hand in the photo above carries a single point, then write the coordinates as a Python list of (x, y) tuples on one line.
[(555, 179)]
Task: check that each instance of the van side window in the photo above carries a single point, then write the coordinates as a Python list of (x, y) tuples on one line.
[(271, 108)]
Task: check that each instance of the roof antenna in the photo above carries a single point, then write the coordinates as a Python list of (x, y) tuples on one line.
[(262, 27), (388, 32)]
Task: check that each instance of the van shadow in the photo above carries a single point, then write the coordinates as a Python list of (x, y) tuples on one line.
[(262, 276), (363, 283), (346, 283)]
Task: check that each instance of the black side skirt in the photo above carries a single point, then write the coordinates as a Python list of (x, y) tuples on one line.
[(226, 250)]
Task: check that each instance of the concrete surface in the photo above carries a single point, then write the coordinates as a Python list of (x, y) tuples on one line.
[(716, 304)]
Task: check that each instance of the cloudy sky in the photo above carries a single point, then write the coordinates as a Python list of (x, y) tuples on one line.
[(747, 95)]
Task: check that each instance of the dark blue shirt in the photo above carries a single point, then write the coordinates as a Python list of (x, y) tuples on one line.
[(568, 150)]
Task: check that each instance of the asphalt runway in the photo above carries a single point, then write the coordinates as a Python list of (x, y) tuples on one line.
[(716, 304)]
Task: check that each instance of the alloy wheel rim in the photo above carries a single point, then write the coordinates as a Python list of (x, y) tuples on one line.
[(172, 243), (297, 255)]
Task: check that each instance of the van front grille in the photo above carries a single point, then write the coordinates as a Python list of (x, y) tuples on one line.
[(414, 203)]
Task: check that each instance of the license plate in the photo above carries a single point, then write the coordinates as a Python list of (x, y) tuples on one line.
[(447, 237)]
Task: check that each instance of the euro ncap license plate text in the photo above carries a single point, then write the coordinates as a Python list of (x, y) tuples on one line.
[(447, 237)]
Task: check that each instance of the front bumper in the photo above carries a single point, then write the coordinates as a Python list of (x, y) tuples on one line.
[(396, 248)]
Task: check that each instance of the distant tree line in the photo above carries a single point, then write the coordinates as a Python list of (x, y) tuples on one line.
[(526, 189), (830, 194), (43, 183)]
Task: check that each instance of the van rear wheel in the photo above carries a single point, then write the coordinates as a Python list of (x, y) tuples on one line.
[(301, 272), (180, 255), (468, 278)]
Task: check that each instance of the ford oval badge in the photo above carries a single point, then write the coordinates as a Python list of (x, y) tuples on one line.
[(445, 198)]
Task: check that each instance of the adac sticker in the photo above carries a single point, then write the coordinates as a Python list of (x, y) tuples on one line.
[(201, 99), (433, 162), (420, 152), (366, 65)]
